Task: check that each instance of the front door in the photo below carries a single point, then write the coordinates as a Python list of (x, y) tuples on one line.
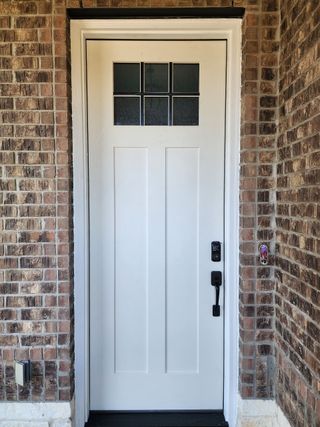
[(156, 131)]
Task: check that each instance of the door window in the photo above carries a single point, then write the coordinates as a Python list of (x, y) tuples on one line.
[(156, 94)]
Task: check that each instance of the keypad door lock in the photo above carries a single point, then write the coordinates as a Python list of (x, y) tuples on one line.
[(215, 251)]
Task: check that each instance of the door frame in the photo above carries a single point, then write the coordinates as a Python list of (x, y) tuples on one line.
[(189, 28)]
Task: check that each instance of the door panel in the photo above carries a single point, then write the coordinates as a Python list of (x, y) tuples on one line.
[(182, 260), (156, 203), (131, 268)]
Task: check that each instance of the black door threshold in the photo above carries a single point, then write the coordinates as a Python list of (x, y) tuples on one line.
[(156, 419)]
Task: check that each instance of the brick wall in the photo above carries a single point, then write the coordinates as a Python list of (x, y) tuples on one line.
[(36, 238), (258, 153), (298, 215), (36, 201)]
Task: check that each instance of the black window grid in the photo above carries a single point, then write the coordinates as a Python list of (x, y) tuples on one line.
[(170, 94)]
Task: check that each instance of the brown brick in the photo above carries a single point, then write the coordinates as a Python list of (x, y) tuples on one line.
[(32, 22), (24, 49)]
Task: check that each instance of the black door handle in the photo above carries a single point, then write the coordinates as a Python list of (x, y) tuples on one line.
[(216, 281)]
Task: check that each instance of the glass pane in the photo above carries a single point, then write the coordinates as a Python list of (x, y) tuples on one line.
[(126, 78), (156, 77), (156, 110), (127, 110), (185, 78), (185, 111)]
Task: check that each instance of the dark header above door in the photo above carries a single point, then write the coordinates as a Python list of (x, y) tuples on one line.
[(156, 13)]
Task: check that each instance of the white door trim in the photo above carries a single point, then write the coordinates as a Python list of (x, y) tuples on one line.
[(208, 28)]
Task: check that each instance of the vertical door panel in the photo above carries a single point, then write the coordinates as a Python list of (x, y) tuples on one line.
[(182, 259), (131, 259)]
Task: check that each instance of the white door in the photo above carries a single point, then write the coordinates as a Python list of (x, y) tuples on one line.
[(156, 181)]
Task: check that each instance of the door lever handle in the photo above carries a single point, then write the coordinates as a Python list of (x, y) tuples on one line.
[(216, 281)]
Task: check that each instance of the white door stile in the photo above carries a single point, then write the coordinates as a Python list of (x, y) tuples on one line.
[(229, 30)]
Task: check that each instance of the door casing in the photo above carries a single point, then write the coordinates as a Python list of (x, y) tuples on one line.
[(193, 29)]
